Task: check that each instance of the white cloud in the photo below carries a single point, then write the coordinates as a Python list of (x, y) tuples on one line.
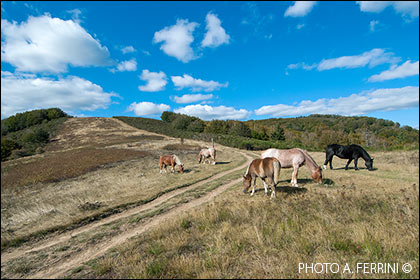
[(372, 25), (45, 44), (128, 49), (300, 26), (147, 108), (405, 8), (156, 81), (191, 98), (127, 65), (177, 40), (302, 65), (371, 58), (387, 99), (207, 112), (187, 81), (215, 35), (405, 70), (299, 9), (24, 92)]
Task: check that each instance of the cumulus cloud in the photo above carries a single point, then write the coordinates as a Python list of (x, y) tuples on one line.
[(23, 92), (177, 40), (46, 44), (207, 112), (215, 35), (395, 72), (191, 98), (299, 9), (147, 108), (128, 49), (156, 81), (127, 65), (387, 99), (405, 8), (186, 81)]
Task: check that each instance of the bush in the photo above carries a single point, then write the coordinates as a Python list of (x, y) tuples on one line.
[(7, 146)]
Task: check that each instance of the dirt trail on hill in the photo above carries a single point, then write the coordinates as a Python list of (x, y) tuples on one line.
[(60, 268)]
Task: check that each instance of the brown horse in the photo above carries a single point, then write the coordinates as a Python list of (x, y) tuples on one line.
[(206, 154), (268, 169), (295, 158), (171, 160)]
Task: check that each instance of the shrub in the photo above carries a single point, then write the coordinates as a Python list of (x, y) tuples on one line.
[(7, 146)]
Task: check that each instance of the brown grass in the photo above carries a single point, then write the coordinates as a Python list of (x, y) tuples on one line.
[(360, 216)]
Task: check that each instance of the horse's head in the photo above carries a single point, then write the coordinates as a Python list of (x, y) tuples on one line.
[(317, 175), (369, 164), (199, 157), (246, 183), (181, 168)]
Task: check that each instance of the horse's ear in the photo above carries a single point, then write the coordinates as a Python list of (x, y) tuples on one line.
[(372, 159), (244, 176)]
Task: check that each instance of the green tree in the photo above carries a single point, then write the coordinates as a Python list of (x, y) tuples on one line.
[(278, 134), (7, 146), (168, 116)]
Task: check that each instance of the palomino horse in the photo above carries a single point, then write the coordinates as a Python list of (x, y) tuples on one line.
[(268, 169), (295, 158), (171, 160), (206, 154), (351, 152)]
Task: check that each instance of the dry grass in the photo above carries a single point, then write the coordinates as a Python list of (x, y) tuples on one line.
[(41, 206), (360, 216)]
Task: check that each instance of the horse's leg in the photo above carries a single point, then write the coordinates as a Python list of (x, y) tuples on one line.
[(294, 176), (160, 168), (355, 164), (265, 188), (253, 186), (331, 161), (273, 188), (348, 162), (328, 157)]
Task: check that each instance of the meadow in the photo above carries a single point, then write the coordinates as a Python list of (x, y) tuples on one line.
[(95, 206)]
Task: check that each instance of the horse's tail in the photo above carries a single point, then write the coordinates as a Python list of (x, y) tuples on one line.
[(276, 167)]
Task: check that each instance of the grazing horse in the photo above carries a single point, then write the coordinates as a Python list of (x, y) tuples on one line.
[(206, 154), (171, 160), (295, 158), (350, 152), (268, 169)]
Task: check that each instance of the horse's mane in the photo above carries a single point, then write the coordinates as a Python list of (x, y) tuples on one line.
[(308, 157), (176, 159), (247, 170)]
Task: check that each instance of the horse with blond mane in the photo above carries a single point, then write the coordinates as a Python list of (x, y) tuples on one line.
[(171, 160), (295, 158), (268, 169)]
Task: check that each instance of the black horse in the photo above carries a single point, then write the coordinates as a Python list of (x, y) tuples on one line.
[(351, 152)]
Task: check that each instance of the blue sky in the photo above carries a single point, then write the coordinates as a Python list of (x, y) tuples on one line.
[(213, 60)]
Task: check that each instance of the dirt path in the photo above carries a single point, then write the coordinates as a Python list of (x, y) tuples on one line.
[(77, 259)]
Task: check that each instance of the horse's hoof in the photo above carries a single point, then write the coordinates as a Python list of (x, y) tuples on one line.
[(325, 167)]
